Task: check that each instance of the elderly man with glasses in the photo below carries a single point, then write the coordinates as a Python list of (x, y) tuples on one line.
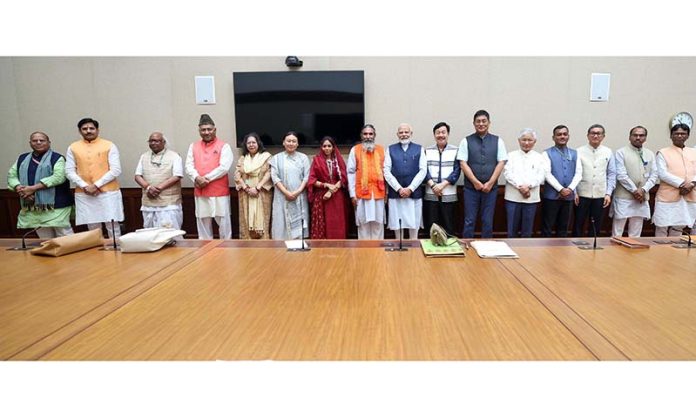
[(159, 173)]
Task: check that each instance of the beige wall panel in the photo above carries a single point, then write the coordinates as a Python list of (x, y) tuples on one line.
[(134, 99), (10, 131), (133, 96)]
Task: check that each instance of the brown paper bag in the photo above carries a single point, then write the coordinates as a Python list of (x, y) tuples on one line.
[(64, 245)]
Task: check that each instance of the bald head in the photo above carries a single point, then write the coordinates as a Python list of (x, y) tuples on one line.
[(157, 142)]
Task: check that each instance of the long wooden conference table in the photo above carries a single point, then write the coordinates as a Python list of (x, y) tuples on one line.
[(349, 300)]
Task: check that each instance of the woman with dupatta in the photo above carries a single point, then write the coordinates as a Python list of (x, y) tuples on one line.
[(327, 192), (290, 173), (252, 178)]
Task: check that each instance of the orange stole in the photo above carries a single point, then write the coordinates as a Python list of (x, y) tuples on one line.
[(92, 162), (369, 173)]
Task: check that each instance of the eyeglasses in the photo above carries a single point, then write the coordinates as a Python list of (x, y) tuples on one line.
[(596, 133)]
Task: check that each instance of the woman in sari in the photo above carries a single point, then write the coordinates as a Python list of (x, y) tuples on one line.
[(252, 178), (327, 192), (290, 173)]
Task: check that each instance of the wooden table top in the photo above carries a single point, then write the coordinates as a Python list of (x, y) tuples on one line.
[(349, 300), (44, 300)]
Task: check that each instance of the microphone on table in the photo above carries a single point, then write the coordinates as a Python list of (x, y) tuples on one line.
[(304, 247), (594, 233), (688, 243), (401, 247), (115, 246), (24, 242)]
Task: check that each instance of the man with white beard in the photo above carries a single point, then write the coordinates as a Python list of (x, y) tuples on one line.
[(366, 185), (404, 169)]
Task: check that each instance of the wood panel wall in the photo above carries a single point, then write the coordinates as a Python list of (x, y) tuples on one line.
[(9, 207)]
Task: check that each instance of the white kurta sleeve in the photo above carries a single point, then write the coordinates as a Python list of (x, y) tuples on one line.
[(578, 175), (226, 159), (388, 176), (71, 170), (508, 172), (463, 151), (611, 176), (502, 152), (350, 168), (178, 166), (540, 171), (549, 176), (114, 167), (422, 170), (139, 167), (665, 175), (190, 167)]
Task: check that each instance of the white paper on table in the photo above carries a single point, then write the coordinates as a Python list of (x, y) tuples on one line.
[(493, 249), (295, 244)]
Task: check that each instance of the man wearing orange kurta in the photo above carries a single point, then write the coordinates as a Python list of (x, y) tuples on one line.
[(93, 164), (366, 185)]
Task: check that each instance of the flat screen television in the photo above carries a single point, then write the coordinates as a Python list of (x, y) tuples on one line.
[(312, 103)]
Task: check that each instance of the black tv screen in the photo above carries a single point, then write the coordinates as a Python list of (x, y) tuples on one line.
[(312, 103)]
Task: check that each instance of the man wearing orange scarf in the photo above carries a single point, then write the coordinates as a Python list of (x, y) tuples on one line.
[(366, 185)]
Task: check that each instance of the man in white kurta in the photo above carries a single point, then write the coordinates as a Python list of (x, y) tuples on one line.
[(675, 203), (405, 167), (159, 173), (366, 185), (93, 164), (524, 172), (208, 162), (636, 174)]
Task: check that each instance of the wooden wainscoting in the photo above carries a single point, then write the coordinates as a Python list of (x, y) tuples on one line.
[(9, 207)]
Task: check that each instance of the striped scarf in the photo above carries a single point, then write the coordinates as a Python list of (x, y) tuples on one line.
[(45, 198)]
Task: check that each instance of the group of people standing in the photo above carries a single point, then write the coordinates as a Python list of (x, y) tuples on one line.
[(404, 185)]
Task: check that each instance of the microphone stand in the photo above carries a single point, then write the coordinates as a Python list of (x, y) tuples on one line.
[(304, 248), (115, 246), (401, 247), (594, 244), (24, 242), (688, 243)]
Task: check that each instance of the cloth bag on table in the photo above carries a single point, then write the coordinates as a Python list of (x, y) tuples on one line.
[(64, 245), (148, 240)]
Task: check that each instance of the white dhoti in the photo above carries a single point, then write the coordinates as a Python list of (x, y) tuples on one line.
[(679, 213), (632, 210), (410, 211), (369, 217), (169, 216), (218, 208), (103, 207)]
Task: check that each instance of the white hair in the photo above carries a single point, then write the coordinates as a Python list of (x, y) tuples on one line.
[(528, 131), (164, 138)]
